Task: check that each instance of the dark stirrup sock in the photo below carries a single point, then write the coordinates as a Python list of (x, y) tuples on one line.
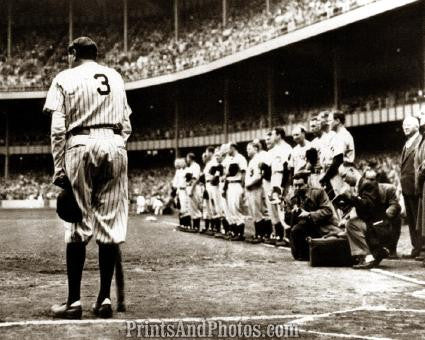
[(107, 260), (207, 224), (75, 258), (119, 277)]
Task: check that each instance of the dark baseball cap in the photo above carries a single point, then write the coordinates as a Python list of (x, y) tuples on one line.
[(83, 48)]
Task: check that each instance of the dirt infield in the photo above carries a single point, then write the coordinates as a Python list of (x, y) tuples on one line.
[(178, 275)]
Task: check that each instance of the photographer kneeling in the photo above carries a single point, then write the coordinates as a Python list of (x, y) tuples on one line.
[(367, 221), (310, 213)]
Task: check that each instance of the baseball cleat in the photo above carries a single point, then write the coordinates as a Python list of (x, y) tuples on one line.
[(219, 235), (104, 310), (282, 243), (228, 236), (65, 311), (271, 241), (256, 240), (237, 238)]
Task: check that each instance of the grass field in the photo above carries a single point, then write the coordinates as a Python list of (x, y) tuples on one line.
[(173, 275)]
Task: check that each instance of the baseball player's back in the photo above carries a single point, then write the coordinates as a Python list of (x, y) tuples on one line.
[(90, 127), (94, 94)]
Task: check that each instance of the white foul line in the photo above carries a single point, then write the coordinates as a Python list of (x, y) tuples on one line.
[(398, 276), (308, 318), (166, 320), (302, 319), (341, 335)]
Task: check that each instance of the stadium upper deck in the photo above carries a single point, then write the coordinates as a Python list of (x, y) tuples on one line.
[(373, 69), (151, 50)]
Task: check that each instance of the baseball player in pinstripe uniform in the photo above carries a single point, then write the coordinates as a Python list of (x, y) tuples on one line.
[(265, 169), (222, 158), (279, 157), (234, 168), (206, 208), (298, 159), (90, 128), (179, 191), (212, 175), (342, 148), (194, 191), (314, 163), (254, 191)]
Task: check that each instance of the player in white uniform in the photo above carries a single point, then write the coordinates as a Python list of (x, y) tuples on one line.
[(279, 158), (212, 172), (194, 190), (220, 156), (90, 128), (265, 226), (206, 207), (298, 159), (234, 169), (340, 149), (313, 156), (254, 191), (338, 125), (179, 190), (325, 145)]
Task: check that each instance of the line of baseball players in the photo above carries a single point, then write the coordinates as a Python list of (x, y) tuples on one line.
[(230, 188)]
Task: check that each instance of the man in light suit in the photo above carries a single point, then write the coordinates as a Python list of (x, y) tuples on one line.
[(407, 179)]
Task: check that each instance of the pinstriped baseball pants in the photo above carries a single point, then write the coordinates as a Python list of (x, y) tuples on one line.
[(96, 166), (255, 203), (195, 202)]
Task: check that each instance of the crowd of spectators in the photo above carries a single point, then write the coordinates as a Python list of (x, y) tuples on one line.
[(153, 49), (155, 183), (29, 186), (152, 187)]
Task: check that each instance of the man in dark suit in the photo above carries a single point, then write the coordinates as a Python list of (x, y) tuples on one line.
[(310, 213), (407, 179), (389, 199), (368, 213)]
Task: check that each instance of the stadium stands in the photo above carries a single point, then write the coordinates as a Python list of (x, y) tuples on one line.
[(148, 130), (155, 182), (148, 183), (153, 50)]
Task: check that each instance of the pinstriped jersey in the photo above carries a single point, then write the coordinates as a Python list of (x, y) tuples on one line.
[(298, 159), (194, 169), (238, 160), (253, 171), (179, 181), (89, 95)]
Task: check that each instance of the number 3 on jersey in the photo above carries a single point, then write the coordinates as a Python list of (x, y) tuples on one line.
[(105, 89)]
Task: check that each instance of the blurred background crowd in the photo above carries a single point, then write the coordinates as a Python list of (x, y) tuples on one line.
[(153, 49), (155, 183)]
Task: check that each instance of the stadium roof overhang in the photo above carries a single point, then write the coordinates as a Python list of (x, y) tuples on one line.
[(358, 14)]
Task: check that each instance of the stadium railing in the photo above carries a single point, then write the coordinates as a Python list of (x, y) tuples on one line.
[(412, 106)]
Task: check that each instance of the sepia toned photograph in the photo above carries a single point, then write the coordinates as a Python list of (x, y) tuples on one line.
[(212, 169)]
